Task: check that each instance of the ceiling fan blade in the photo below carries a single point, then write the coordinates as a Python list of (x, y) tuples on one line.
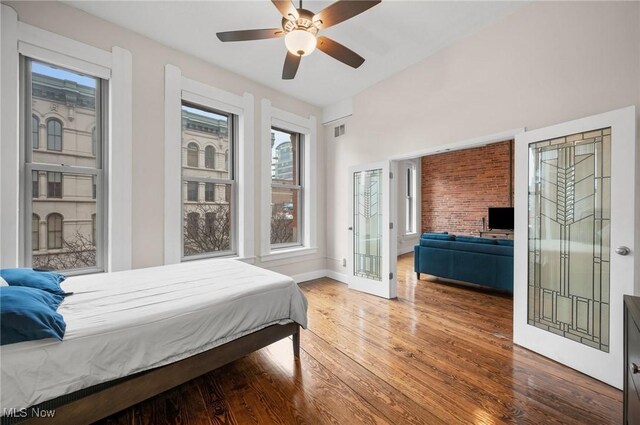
[(342, 10), (286, 8), (290, 68), (247, 35), (339, 52)]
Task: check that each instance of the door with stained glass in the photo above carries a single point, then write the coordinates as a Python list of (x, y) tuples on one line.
[(574, 241), (372, 262)]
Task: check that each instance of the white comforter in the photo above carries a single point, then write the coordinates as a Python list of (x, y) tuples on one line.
[(126, 322)]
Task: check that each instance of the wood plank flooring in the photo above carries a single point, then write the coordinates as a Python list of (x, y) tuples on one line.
[(439, 354)]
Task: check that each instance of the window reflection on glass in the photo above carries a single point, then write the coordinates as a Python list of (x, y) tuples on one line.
[(207, 209), (65, 110), (286, 188)]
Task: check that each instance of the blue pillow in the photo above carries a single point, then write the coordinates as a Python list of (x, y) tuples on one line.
[(28, 314), (505, 242), (438, 236), (47, 281), (474, 239)]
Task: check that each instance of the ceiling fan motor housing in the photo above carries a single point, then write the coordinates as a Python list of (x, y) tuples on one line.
[(304, 22)]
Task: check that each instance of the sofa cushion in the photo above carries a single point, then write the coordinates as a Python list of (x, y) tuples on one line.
[(505, 242), (496, 249), (474, 239), (437, 236)]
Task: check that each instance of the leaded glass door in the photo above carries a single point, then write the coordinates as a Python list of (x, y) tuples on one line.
[(574, 237), (372, 259)]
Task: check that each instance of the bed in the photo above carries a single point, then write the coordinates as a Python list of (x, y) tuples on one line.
[(133, 334)]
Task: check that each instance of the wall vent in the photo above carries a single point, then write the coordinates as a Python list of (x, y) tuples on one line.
[(338, 130)]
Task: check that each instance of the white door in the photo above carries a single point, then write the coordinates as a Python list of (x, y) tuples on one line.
[(574, 237), (372, 262)]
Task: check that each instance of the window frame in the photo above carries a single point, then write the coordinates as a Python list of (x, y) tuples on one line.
[(410, 199), (307, 127), (298, 185), (233, 122), (97, 172), (114, 65), (179, 88)]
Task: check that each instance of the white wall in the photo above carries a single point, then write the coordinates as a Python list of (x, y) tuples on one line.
[(547, 63), (149, 59)]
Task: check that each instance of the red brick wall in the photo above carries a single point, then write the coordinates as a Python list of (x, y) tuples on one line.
[(458, 187)]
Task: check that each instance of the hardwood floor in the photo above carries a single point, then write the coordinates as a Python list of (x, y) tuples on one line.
[(439, 354)]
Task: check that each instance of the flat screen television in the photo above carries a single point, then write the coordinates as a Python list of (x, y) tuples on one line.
[(501, 218)]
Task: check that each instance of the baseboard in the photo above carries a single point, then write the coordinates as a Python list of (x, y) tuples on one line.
[(317, 274), (305, 277), (340, 277)]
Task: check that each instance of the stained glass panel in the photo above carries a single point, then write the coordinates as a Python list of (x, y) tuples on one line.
[(569, 229), (367, 230)]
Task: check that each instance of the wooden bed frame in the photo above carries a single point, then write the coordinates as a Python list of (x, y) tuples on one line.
[(144, 385)]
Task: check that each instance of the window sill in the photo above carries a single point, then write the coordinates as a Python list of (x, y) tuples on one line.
[(284, 253)]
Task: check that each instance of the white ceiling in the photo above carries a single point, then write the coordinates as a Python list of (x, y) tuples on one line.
[(391, 36)]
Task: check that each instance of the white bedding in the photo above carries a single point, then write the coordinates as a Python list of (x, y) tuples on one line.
[(126, 322)]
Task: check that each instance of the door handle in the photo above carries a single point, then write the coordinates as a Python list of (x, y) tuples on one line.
[(634, 368), (350, 228), (622, 250)]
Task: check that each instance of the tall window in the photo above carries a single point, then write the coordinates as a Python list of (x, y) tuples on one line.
[(35, 132), (54, 184), (35, 232), (226, 160), (72, 177), (207, 221), (192, 155), (54, 231), (35, 185), (210, 157), (54, 134), (410, 199), (286, 188)]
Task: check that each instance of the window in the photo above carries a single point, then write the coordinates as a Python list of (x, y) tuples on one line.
[(54, 231), (35, 232), (410, 199), (193, 221), (226, 160), (192, 155), (207, 220), (209, 192), (54, 185), (192, 191), (35, 132), (210, 157), (54, 134), (71, 175), (286, 188), (35, 185)]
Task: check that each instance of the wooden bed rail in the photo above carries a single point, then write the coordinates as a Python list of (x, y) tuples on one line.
[(147, 384)]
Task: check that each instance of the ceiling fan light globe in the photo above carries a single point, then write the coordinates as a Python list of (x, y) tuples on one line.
[(300, 42)]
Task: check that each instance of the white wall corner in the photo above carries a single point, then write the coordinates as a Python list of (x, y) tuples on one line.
[(340, 277), (172, 158), (337, 111), (120, 163)]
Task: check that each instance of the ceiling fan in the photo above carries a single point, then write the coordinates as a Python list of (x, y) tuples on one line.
[(300, 31)]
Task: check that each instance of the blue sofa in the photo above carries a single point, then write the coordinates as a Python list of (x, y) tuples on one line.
[(486, 262)]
